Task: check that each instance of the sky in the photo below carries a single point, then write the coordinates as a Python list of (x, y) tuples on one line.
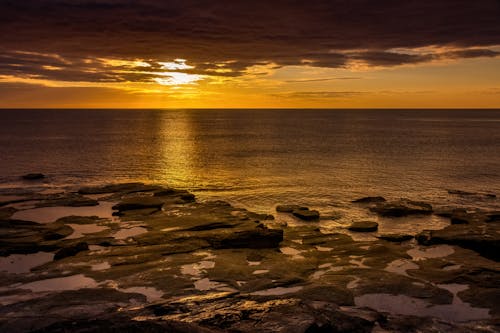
[(250, 54)]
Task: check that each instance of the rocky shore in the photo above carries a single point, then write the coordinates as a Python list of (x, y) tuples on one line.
[(138, 257)]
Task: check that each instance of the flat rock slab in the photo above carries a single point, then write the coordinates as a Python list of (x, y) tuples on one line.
[(306, 214), (138, 203), (364, 226), (402, 207), (369, 200), (300, 212), (396, 238), (33, 176), (483, 238)]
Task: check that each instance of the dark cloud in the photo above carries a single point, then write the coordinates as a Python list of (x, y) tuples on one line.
[(322, 33)]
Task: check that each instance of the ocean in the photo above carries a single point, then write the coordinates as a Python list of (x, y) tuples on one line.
[(259, 158)]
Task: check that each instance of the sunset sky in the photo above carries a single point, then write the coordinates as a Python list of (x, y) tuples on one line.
[(249, 54)]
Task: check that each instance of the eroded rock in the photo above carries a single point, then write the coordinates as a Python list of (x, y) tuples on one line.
[(402, 207), (364, 226), (368, 200), (306, 214), (33, 176), (138, 203), (71, 250), (483, 238), (396, 238)]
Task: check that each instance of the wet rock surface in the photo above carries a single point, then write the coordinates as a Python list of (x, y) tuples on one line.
[(301, 212), (402, 207), (363, 226), (367, 200), (166, 262), (33, 176)]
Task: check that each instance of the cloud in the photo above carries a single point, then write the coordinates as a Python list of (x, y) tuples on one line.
[(64, 39)]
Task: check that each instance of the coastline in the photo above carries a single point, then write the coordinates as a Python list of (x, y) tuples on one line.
[(156, 258)]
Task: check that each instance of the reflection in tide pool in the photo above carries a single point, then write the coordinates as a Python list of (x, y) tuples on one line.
[(72, 282), (406, 305), (23, 263), (51, 214)]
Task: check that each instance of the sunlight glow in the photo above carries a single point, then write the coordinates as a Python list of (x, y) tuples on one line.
[(175, 65), (175, 78)]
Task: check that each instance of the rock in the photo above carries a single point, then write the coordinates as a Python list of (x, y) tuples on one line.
[(363, 226), (124, 188), (483, 238), (301, 212), (463, 216), (7, 212), (33, 176), (396, 238), (59, 232), (257, 238), (460, 192), (169, 192), (444, 211), (402, 207), (459, 216), (71, 250), (369, 200), (68, 200), (138, 203), (188, 197), (289, 208), (306, 214), (165, 192), (493, 217)]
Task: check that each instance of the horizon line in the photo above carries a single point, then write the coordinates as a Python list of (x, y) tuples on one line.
[(259, 108)]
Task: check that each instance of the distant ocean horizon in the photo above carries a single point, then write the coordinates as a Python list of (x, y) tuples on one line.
[(257, 158)]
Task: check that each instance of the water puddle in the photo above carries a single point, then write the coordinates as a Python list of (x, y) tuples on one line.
[(277, 291), (73, 282), (197, 268), (80, 230), (423, 253), (405, 305), (358, 263), (24, 205), (411, 225), (290, 251), (51, 214), (170, 229), (400, 266), (325, 268), (95, 196), (205, 284), (324, 249), (452, 267), (254, 263), (130, 232), (100, 266), (354, 283), (23, 263), (152, 294), (260, 271)]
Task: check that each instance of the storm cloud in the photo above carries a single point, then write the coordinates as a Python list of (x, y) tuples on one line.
[(64, 39)]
